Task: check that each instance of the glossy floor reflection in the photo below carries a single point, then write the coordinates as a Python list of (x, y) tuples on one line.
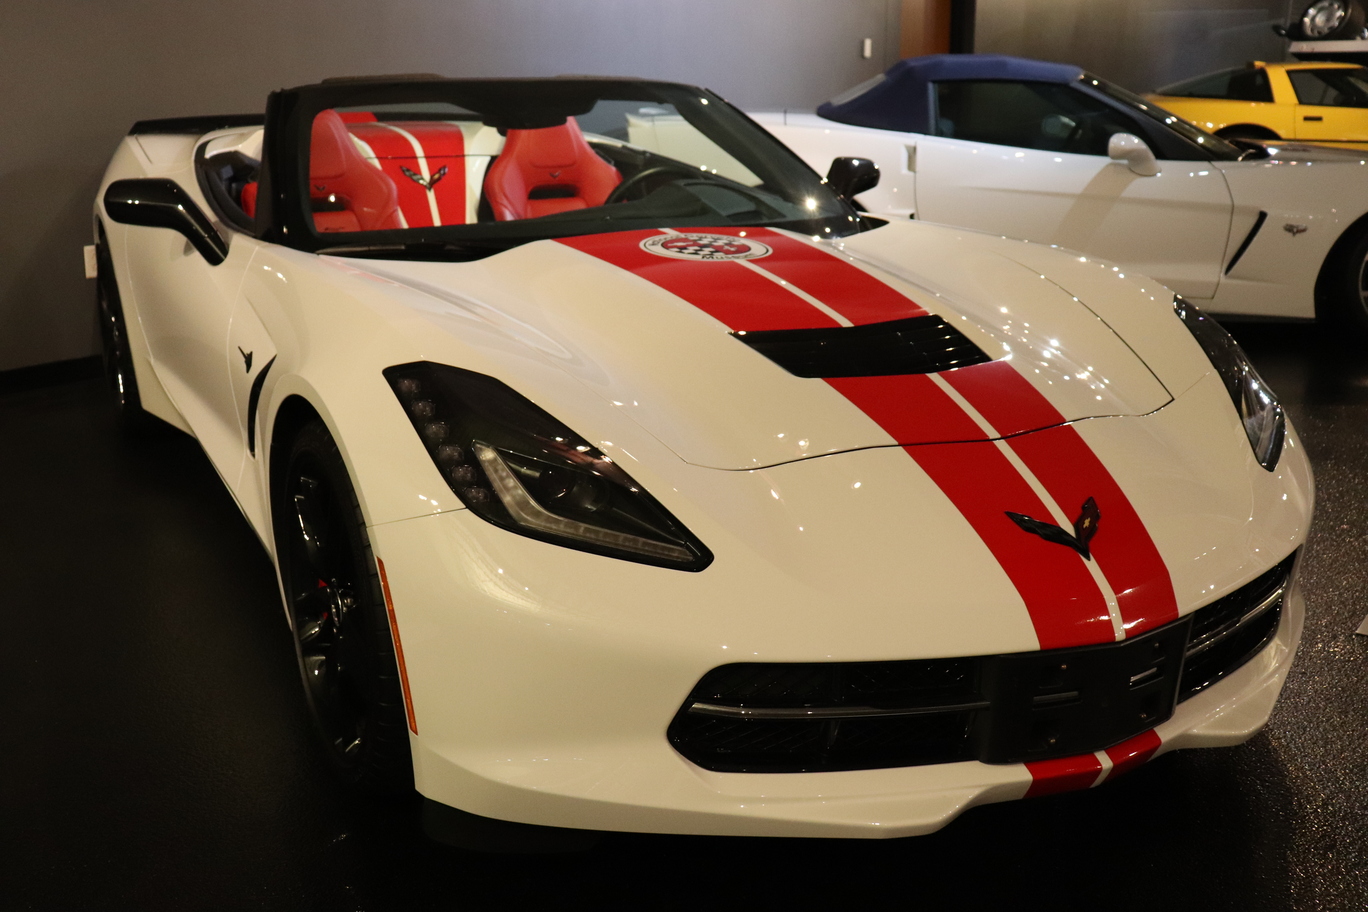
[(154, 752)]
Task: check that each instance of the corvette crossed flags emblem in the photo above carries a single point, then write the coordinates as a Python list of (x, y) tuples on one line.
[(1084, 528), (426, 182)]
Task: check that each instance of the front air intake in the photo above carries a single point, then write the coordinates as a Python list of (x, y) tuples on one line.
[(761, 717)]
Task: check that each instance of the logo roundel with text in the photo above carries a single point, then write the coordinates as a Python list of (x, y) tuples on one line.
[(704, 247)]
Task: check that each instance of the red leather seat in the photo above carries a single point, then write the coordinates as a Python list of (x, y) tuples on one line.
[(249, 198), (547, 170), (348, 192)]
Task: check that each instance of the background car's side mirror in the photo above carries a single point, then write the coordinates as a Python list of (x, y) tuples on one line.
[(852, 176), (1131, 149), (157, 202)]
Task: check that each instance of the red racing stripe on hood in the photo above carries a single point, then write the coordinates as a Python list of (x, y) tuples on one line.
[(724, 289), (1061, 596), (839, 284), (1071, 472)]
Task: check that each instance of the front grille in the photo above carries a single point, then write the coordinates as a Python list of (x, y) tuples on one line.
[(916, 345), (806, 717)]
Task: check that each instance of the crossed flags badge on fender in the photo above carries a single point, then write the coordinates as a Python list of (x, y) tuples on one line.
[(1084, 528)]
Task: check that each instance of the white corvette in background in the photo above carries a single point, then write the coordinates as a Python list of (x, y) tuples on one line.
[(1048, 153), (620, 476)]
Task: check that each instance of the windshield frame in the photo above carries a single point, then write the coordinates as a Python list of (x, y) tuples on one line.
[(1207, 145), (283, 209)]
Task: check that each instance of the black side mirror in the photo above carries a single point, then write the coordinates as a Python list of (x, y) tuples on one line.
[(852, 176), (157, 202)]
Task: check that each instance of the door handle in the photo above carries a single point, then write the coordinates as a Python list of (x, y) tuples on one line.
[(1313, 117)]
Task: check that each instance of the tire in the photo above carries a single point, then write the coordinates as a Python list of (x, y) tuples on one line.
[(1247, 131), (1347, 289), (338, 619), (1328, 20), (114, 347)]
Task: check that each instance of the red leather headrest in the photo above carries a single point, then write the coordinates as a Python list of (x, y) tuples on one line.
[(328, 145), (340, 174)]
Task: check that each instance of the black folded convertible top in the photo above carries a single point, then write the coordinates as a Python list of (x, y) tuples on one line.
[(197, 125)]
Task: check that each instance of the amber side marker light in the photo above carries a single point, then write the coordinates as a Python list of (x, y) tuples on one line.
[(398, 647)]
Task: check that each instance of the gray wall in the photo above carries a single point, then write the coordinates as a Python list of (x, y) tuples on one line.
[(1140, 44), (77, 73)]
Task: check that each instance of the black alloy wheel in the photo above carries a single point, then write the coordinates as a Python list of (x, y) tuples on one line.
[(337, 611), (114, 347)]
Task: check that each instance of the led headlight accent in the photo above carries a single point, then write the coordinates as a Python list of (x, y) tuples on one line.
[(1259, 411), (518, 467)]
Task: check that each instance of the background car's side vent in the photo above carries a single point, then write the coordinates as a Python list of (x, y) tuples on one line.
[(918, 345)]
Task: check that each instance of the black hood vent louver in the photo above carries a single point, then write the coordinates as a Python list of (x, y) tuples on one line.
[(918, 345)]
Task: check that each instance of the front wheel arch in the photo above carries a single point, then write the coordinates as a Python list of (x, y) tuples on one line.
[(366, 705)]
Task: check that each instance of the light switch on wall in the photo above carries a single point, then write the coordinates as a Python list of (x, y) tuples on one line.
[(868, 50)]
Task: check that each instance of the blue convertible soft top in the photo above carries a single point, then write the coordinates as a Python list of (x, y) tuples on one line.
[(900, 99)]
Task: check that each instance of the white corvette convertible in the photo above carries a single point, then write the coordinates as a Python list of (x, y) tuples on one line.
[(621, 476), (1048, 153)]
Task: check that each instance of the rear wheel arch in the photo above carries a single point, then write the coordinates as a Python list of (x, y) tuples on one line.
[(1337, 300), (1247, 131)]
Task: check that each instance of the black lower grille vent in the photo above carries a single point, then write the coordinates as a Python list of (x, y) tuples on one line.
[(805, 717), (918, 345), (1233, 629)]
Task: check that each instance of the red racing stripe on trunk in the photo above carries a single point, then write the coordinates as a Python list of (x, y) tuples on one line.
[(1071, 472), (724, 289), (844, 287), (1063, 774), (1061, 596), (1133, 752)]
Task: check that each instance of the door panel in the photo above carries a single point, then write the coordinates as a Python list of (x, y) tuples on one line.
[(184, 306), (1327, 122), (1172, 226)]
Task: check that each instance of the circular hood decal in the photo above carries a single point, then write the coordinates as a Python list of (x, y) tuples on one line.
[(704, 247)]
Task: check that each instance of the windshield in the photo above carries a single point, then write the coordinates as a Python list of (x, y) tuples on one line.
[(481, 165), (1216, 148)]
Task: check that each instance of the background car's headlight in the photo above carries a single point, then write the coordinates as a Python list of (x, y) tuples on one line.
[(1259, 410), (518, 467)]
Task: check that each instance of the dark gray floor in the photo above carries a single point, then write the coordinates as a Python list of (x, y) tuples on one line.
[(154, 752)]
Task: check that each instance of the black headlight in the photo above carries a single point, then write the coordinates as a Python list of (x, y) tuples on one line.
[(1262, 416), (518, 467)]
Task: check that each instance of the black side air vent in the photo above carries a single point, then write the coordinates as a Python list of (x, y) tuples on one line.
[(919, 345)]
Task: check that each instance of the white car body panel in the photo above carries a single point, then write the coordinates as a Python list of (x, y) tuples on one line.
[(1182, 227), (543, 678)]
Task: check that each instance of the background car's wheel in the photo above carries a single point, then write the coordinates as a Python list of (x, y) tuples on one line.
[(117, 356), (1328, 20), (336, 607), (1246, 131), (1342, 290)]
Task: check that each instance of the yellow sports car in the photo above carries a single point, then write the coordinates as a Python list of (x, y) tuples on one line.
[(1309, 102)]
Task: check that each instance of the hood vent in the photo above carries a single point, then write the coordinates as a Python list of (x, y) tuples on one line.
[(919, 345)]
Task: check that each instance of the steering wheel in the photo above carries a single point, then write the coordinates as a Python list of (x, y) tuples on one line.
[(641, 177)]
